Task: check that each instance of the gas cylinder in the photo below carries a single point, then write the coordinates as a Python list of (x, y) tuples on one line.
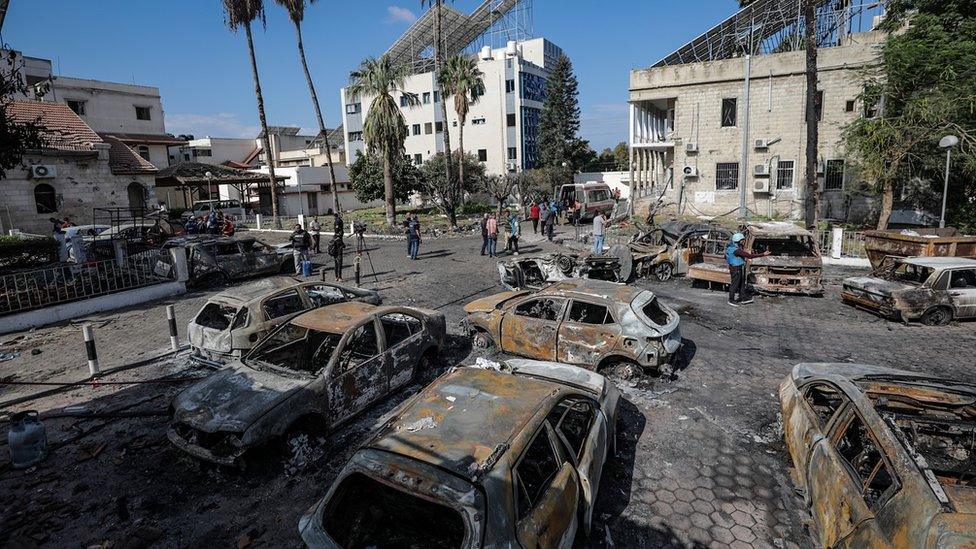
[(27, 439)]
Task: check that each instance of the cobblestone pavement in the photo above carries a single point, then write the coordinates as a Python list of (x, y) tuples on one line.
[(701, 461)]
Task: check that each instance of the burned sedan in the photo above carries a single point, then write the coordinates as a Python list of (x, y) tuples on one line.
[(480, 458), (325, 366), (589, 323), (215, 260), (233, 321), (932, 290), (885, 458), (537, 271)]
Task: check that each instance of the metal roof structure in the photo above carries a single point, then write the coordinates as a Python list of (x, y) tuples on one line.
[(3, 11), (763, 27)]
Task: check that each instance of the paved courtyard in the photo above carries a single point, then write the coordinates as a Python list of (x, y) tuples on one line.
[(701, 460)]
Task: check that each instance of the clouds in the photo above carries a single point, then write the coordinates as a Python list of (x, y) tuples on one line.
[(396, 14), (215, 125)]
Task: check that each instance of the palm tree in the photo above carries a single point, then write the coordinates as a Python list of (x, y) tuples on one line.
[(238, 14), (384, 127), (462, 79), (296, 12), (438, 62)]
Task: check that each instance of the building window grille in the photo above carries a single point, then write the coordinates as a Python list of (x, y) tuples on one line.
[(834, 175), (727, 176), (784, 174)]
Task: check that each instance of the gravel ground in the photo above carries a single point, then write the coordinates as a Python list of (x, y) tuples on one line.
[(701, 460)]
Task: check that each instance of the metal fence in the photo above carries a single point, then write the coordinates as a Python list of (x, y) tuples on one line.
[(41, 288), (852, 243)]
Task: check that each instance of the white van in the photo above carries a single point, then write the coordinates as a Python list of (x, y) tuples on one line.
[(231, 207), (594, 198)]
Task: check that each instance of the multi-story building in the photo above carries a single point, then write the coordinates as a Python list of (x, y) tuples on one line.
[(720, 124), (502, 127)]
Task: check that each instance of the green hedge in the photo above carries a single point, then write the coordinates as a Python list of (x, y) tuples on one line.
[(22, 253)]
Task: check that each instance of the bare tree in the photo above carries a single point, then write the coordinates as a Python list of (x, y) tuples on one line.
[(500, 187), (813, 109)]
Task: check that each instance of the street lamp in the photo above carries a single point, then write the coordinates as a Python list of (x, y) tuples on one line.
[(209, 184), (947, 143)]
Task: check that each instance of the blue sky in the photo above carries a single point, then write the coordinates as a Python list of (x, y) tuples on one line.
[(202, 71)]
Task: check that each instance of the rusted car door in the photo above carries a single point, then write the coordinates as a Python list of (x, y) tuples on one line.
[(547, 495), (583, 430), (586, 334), (405, 339), (260, 257), (808, 415), (359, 375), (231, 259), (962, 291), (530, 328)]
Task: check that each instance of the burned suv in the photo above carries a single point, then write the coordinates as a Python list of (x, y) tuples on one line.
[(215, 260)]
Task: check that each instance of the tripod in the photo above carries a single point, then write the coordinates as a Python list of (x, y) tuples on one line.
[(362, 248)]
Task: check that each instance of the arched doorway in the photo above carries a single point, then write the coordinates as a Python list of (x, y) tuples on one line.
[(137, 196)]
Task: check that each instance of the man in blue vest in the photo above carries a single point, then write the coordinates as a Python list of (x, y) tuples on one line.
[(736, 257)]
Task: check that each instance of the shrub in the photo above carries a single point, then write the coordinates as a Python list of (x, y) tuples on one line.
[(22, 253)]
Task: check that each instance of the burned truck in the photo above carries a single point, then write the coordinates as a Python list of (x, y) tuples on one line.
[(537, 271), (794, 266)]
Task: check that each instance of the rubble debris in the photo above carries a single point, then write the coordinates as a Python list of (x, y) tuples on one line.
[(537, 271)]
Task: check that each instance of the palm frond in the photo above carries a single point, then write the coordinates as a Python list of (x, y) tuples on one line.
[(240, 13)]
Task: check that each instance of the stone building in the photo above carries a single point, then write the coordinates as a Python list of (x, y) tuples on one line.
[(76, 171), (713, 126)]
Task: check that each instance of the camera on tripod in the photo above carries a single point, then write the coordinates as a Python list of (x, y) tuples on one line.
[(359, 227)]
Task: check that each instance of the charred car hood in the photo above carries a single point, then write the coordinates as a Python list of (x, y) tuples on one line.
[(875, 285), (787, 262), (233, 399), (490, 303)]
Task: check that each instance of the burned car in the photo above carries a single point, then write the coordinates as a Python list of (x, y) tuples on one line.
[(324, 366), (215, 260), (795, 266), (668, 249), (536, 271), (479, 458), (932, 290), (231, 322), (885, 458), (589, 323)]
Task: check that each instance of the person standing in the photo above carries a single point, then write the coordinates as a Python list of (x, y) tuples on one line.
[(406, 231), (316, 229), (491, 227), (534, 216), (514, 231), (551, 222), (337, 227), (413, 237), (484, 234), (300, 242), (336, 248), (599, 227), (736, 256), (544, 214), (228, 227)]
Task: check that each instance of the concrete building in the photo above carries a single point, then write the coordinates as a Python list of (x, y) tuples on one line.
[(306, 190), (713, 126), (212, 150), (502, 127)]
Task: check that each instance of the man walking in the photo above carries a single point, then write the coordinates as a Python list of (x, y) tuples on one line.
[(551, 222), (484, 234), (300, 242), (336, 247), (514, 230), (413, 237), (736, 256), (492, 229), (316, 229), (544, 214), (534, 216), (599, 231)]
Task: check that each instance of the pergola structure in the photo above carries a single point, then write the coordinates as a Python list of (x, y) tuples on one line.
[(775, 26), (191, 177)]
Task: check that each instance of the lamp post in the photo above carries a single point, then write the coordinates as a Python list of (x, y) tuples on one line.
[(209, 185), (947, 143)]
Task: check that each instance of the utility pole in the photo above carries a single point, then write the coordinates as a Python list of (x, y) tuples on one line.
[(811, 205)]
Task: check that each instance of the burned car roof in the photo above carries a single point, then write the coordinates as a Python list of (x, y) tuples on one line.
[(465, 419), (336, 318), (863, 372), (777, 228), (255, 290), (939, 262), (678, 228), (594, 288)]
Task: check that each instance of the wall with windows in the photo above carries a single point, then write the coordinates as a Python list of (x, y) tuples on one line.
[(112, 107), (705, 131)]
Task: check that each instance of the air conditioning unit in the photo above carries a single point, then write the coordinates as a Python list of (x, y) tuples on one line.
[(760, 186), (691, 148), (762, 144), (42, 171), (761, 170), (690, 171)]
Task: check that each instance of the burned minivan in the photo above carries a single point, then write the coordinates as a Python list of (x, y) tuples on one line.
[(508, 457), (931, 290), (667, 250), (883, 457), (215, 260), (537, 271)]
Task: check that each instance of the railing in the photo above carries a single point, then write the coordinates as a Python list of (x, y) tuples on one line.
[(40, 288), (852, 243)]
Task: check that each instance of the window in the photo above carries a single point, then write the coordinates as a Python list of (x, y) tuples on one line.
[(866, 463), (361, 347), (202, 152), (404, 100), (534, 472), (77, 106), (512, 153), (45, 200), (510, 86), (439, 126), (355, 136), (428, 128), (143, 151), (572, 418), (143, 113), (824, 400), (282, 304), (849, 107), (482, 155), (478, 122), (398, 327), (726, 176), (418, 159), (437, 96), (216, 317), (963, 279), (730, 108), (598, 195), (228, 248), (426, 98), (510, 120), (354, 108), (542, 309), (834, 175), (324, 294), (416, 129), (588, 313), (784, 174)]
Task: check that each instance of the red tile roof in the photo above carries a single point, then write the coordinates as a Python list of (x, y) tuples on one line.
[(148, 139), (122, 160), (61, 128)]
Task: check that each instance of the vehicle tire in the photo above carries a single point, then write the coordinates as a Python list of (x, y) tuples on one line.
[(622, 370), (482, 340), (939, 316), (664, 271), (425, 365)]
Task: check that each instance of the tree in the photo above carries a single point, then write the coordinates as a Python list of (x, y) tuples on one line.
[(812, 113), (923, 89), (500, 187), (560, 121), (384, 128), (296, 12), (240, 14), (438, 66), (448, 195), (461, 79), (367, 177), (16, 136)]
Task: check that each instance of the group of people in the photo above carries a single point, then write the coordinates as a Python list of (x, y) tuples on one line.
[(214, 222), (490, 230), (304, 242)]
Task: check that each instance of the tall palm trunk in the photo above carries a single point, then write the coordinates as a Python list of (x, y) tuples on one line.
[(265, 138), (461, 155), (813, 123), (318, 115), (388, 188), (438, 65)]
